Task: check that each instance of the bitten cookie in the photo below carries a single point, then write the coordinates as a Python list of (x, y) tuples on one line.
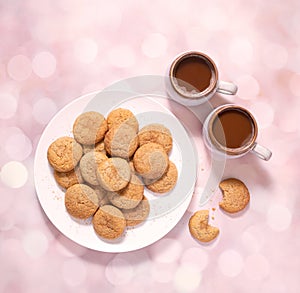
[(81, 201), (121, 141), (109, 222), (130, 196), (137, 215), (151, 161), (98, 147), (89, 164), (199, 228), (235, 195), (89, 128), (64, 154), (67, 179), (157, 133), (113, 174), (120, 116), (166, 182)]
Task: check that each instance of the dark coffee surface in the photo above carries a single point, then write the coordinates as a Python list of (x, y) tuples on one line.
[(233, 128), (193, 73)]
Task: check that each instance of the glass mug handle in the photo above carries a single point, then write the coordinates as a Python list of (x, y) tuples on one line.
[(227, 88), (261, 152)]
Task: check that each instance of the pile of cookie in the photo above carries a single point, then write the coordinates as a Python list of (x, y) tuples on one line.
[(236, 197), (106, 166)]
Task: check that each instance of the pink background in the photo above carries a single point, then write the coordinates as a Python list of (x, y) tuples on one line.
[(54, 51)]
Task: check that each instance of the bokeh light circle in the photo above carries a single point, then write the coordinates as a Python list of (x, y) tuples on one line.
[(44, 64), (19, 67), (14, 174)]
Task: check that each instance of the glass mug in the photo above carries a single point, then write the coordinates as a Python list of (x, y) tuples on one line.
[(192, 79), (231, 130)]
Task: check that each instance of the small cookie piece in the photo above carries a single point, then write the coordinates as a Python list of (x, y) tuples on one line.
[(151, 161), (130, 196), (119, 116), (98, 147), (109, 222), (64, 154), (235, 195), (67, 179), (88, 166), (157, 133), (81, 201), (166, 182), (199, 228), (89, 128), (113, 174), (121, 141), (139, 214)]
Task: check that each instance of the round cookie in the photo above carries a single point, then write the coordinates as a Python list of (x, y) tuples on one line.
[(113, 174), (199, 228), (151, 161), (64, 154), (118, 116), (109, 222), (89, 128), (88, 166), (130, 196), (98, 147), (137, 215), (81, 201), (67, 179), (235, 195), (157, 133), (121, 141), (166, 182)]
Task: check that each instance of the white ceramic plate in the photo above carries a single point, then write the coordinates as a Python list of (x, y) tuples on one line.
[(165, 211)]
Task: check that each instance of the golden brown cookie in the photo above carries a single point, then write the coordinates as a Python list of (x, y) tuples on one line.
[(235, 195), (121, 141), (109, 222), (64, 154), (199, 227), (67, 179), (157, 133), (137, 215), (89, 128), (81, 201), (120, 116), (89, 164), (166, 182), (114, 174), (130, 196), (98, 147), (151, 161)]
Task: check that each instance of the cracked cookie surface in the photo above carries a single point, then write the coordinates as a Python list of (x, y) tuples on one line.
[(114, 174), (64, 154), (120, 116), (89, 128), (236, 195), (81, 201), (151, 161), (109, 222)]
